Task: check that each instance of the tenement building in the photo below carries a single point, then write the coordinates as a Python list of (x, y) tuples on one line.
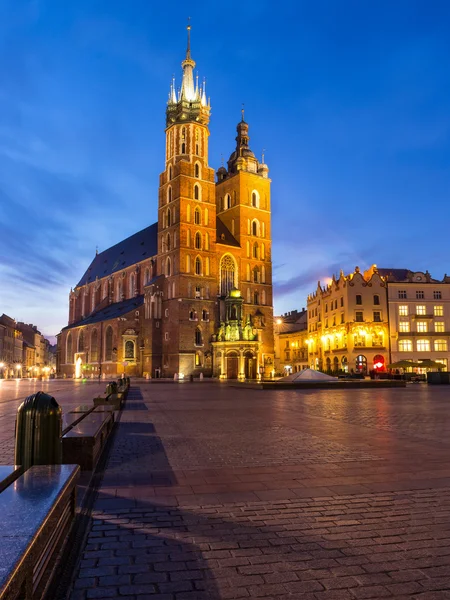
[(348, 324), (191, 293), (291, 348), (419, 316)]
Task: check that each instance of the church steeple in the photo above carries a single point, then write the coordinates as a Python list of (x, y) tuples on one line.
[(190, 103)]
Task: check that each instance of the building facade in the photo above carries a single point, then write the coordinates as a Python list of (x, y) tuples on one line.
[(291, 347), (11, 348), (191, 293), (419, 316), (348, 324)]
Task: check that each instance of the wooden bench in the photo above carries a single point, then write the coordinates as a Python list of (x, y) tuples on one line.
[(84, 442), (36, 516)]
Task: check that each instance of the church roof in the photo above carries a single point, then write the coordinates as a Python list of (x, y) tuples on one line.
[(224, 235), (112, 311), (132, 250)]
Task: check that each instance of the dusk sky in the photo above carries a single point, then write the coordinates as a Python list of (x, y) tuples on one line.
[(349, 99)]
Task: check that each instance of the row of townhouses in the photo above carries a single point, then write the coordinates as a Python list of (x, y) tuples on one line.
[(363, 322), (24, 351)]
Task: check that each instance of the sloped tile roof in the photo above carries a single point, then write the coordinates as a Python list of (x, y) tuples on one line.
[(113, 311), (134, 249), (224, 235)]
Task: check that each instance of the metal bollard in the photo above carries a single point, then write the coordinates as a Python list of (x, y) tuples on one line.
[(38, 431)]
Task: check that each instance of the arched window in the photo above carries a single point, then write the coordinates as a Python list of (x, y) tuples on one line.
[(147, 276), (198, 337), (198, 266), (131, 286), (263, 274), (255, 227), (170, 172), (168, 242), (105, 290), (256, 298), (197, 170), (198, 241), (227, 274), (81, 341), (168, 267), (108, 343), (129, 349), (197, 217), (69, 351), (169, 218), (256, 275), (197, 148), (169, 194), (255, 199), (263, 297), (255, 250), (227, 203), (188, 263), (183, 140), (196, 192), (94, 346)]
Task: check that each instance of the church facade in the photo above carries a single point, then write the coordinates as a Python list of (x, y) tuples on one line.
[(192, 293)]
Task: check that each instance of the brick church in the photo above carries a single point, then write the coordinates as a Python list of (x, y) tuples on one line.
[(191, 293)]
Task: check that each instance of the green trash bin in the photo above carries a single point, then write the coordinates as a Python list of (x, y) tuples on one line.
[(38, 431)]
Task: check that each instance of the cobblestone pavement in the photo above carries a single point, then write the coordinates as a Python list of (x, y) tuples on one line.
[(215, 492), (68, 393)]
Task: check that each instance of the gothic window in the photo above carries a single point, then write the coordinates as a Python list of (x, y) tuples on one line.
[(263, 297), (183, 140), (255, 227), (69, 352), (255, 199), (255, 250), (169, 194), (197, 217), (205, 315), (198, 241), (147, 276), (255, 276), (197, 169), (197, 195), (81, 341), (169, 218), (170, 172), (227, 274), (198, 359), (94, 346), (198, 337), (227, 201), (129, 349), (119, 291), (168, 267), (188, 263), (108, 343), (197, 148), (198, 266), (207, 266), (256, 298), (263, 274), (92, 300), (168, 242), (105, 289)]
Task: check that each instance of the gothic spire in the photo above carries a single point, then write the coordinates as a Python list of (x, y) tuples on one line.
[(187, 86)]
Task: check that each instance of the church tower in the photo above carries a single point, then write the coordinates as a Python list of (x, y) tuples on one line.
[(243, 206), (187, 228)]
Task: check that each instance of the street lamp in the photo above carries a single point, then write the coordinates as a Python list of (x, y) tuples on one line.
[(2, 366), (18, 367)]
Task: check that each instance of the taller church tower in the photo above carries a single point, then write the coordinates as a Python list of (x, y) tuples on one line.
[(187, 228)]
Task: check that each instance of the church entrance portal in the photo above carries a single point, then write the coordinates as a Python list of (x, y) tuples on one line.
[(232, 366), (250, 366)]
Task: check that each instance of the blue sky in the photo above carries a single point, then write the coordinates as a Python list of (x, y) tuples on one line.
[(349, 98)]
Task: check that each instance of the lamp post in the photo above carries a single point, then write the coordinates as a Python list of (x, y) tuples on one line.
[(18, 368), (2, 366)]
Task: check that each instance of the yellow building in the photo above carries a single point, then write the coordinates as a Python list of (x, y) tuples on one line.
[(291, 349), (348, 324)]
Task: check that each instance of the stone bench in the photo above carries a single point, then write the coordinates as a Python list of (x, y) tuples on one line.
[(84, 442), (114, 400), (8, 474), (36, 516)]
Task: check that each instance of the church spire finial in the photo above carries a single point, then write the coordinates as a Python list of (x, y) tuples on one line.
[(242, 113), (188, 51)]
